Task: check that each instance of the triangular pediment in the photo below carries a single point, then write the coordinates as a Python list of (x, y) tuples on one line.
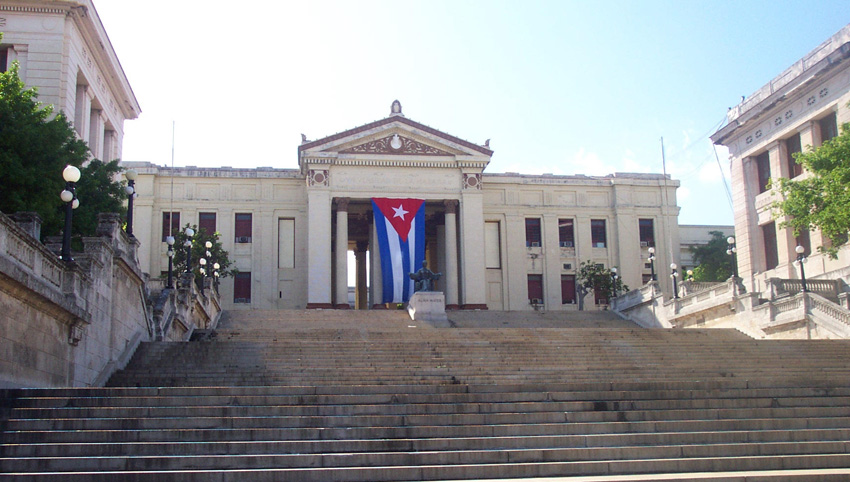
[(394, 136), (396, 144)]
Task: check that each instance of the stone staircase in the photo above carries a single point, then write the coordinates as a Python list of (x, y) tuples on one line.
[(351, 396)]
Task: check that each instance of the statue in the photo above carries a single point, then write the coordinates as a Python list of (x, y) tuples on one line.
[(424, 278)]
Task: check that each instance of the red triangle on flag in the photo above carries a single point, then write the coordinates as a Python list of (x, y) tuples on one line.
[(399, 212)]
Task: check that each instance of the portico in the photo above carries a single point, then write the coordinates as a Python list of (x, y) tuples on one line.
[(395, 158)]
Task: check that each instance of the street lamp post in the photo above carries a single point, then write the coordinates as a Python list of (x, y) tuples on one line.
[(188, 244), (170, 241), (652, 263), (614, 281), (801, 260), (690, 275), (130, 174), (203, 271), (71, 175), (216, 274), (674, 275), (731, 250)]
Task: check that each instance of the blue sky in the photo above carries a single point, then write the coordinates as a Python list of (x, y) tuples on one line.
[(559, 87)]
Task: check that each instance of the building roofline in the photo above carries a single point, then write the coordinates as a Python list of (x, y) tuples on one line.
[(817, 62), (389, 120)]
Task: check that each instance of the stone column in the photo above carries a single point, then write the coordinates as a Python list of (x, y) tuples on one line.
[(744, 190), (785, 241), (451, 254), (472, 269), (377, 278), (96, 133), (361, 300), (318, 249), (82, 111), (341, 254), (810, 135)]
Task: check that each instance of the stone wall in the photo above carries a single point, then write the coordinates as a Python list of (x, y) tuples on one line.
[(69, 324)]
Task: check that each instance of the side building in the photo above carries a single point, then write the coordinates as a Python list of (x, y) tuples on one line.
[(63, 50), (502, 241), (799, 109)]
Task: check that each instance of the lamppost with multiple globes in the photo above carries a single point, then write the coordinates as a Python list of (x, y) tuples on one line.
[(614, 280), (731, 250), (170, 242), (203, 262), (690, 273), (801, 260), (652, 263), (130, 174), (188, 244), (71, 175), (674, 275)]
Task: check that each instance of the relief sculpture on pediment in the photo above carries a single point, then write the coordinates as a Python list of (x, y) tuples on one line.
[(395, 144)]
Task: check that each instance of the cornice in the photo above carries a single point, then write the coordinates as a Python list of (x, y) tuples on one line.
[(84, 15), (34, 9), (397, 161), (815, 65), (389, 120)]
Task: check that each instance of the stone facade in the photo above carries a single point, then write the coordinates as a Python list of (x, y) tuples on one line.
[(68, 324), (796, 110), (496, 237), (64, 52)]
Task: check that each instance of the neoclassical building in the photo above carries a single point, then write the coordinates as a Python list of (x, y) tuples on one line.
[(63, 51), (797, 110), (502, 241)]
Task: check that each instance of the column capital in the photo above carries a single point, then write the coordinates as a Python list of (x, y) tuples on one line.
[(451, 206), (342, 203), (362, 246)]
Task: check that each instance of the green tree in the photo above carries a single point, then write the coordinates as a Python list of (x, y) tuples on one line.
[(713, 264), (822, 199), (593, 276), (199, 250), (98, 192), (34, 149)]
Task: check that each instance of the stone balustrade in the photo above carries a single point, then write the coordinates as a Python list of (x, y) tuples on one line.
[(75, 323)]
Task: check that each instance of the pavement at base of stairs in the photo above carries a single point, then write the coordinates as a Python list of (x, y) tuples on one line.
[(744, 476)]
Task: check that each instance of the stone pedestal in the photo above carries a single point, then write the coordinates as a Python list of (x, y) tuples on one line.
[(428, 306)]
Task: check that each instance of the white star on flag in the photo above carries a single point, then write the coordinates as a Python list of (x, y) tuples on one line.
[(400, 212)]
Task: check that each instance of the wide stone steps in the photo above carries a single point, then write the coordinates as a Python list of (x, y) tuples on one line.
[(315, 446), (342, 396), (492, 471)]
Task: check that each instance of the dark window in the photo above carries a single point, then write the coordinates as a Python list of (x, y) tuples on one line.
[(598, 297), (206, 221), (804, 241), (535, 288), (4, 58), (647, 232), (645, 278), (763, 166), (793, 147), (242, 287), (828, 127), (771, 255), (597, 233), (532, 232), (172, 220), (566, 236), (243, 227), (568, 289)]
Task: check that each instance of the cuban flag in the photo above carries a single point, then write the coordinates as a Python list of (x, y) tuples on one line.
[(400, 224)]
